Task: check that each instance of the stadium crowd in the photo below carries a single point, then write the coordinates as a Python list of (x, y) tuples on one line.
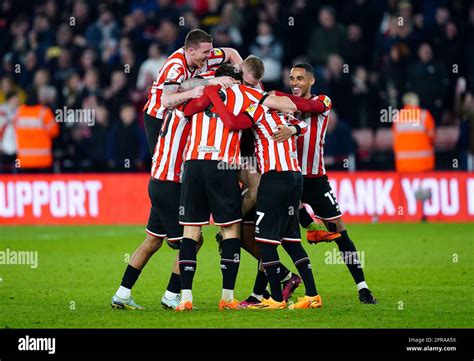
[(104, 56)]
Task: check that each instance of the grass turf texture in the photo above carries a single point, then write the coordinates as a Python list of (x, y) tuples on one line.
[(411, 268)]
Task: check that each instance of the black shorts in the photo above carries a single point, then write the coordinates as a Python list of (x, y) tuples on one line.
[(152, 130), (278, 200), (206, 189), (164, 213), (318, 194)]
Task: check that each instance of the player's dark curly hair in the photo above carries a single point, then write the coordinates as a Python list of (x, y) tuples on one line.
[(229, 70)]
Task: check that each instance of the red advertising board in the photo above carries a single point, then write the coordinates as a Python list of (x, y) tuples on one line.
[(123, 198), (74, 199)]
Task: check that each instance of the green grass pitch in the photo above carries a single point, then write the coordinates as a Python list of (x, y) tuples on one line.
[(422, 275)]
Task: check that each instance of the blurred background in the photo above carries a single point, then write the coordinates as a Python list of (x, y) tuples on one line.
[(103, 56)]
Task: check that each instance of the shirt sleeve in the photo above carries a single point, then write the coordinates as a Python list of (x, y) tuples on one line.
[(327, 102), (174, 74), (216, 58), (253, 95)]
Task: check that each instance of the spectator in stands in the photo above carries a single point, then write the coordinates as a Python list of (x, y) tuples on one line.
[(25, 77), (211, 17), (326, 39), (226, 34), (150, 67), (81, 15), (396, 72), (340, 87), (7, 85), (105, 32), (169, 36), (299, 32), (413, 136), (339, 143), (117, 93), (71, 91), (360, 98), (91, 84), (246, 19), (128, 150), (98, 144), (428, 79), (354, 47), (270, 50), (35, 129)]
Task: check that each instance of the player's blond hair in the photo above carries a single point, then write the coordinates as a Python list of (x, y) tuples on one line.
[(254, 65)]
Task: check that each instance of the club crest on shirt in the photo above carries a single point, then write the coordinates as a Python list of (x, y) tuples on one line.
[(251, 108)]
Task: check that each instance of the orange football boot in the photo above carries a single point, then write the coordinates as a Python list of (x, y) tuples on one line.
[(228, 305), (321, 235), (184, 306)]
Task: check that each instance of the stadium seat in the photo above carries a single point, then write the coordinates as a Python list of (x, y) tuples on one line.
[(383, 139), (365, 142), (446, 137), (364, 138)]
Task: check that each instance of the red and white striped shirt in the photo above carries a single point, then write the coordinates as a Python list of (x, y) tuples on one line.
[(167, 161), (209, 139), (174, 71), (271, 155), (310, 146)]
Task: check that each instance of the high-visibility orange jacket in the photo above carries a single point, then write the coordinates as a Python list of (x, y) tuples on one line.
[(35, 128), (413, 135)]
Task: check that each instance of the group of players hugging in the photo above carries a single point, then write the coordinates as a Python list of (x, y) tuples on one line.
[(221, 145)]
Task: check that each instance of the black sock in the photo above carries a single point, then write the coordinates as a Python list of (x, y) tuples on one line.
[(305, 218), (187, 263), (283, 272), (271, 264), (302, 263), (130, 277), (174, 285), (230, 262), (350, 257), (260, 283)]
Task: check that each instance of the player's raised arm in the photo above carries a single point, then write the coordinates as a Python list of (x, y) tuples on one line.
[(232, 56)]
